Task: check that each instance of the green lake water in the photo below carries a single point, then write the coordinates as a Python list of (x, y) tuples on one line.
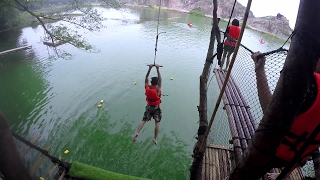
[(58, 98)]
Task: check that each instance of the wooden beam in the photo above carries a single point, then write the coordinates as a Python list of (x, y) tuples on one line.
[(15, 50), (52, 169), (62, 175), (27, 148), (38, 162)]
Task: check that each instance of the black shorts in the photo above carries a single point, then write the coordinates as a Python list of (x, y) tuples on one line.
[(152, 112), (228, 48)]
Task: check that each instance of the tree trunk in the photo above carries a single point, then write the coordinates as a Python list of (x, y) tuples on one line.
[(202, 108), (289, 93), (10, 163)]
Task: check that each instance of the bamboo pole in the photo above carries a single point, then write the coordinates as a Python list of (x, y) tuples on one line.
[(232, 126), (244, 125), (245, 121), (236, 116), (252, 119), (234, 94), (293, 83), (248, 122), (202, 146), (218, 167)]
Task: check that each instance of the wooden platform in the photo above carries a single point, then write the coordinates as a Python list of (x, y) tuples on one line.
[(217, 163), (14, 50), (35, 163)]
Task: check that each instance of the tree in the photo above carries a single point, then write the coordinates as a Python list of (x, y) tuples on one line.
[(59, 26), (8, 16)]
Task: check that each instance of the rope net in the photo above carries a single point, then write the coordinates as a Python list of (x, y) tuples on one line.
[(240, 103), (244, 77)]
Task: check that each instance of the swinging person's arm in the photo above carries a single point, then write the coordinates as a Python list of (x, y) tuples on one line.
[(146, 81), (159, 76)]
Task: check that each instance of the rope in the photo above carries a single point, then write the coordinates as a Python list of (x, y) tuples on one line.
[(220, 44), (234, 4), (43, 151), (157, 37), (228, 74)]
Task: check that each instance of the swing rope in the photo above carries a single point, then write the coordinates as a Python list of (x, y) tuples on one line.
[(234, 4), (157, 37), (225, 34)]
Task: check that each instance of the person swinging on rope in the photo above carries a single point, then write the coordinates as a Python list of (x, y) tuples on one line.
[(307, 118), (153, 98), (230, 43)]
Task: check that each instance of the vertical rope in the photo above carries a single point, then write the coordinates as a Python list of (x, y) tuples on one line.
[(155, 49), (234, 4)]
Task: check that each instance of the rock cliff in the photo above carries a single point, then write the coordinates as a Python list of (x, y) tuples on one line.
[(276, 25)]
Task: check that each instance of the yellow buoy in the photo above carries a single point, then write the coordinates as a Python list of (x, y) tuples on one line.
[(41, 178), (99, 106), (101, 101), (171, 78), (66, 151), (135, 83)]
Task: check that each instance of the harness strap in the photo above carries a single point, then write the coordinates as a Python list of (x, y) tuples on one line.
[(299, 139), (153, 100)]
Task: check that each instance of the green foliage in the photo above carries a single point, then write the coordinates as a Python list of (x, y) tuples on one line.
[(84, 171), (153, 6), (197, 12), (9, 16), (61, 19)]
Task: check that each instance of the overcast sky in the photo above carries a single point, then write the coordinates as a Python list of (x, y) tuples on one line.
[(288, 8)]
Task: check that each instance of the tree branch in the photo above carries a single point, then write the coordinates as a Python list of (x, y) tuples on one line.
[(37, 17)]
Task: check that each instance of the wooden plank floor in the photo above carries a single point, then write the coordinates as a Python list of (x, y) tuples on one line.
[(217, 162), (296, 174)]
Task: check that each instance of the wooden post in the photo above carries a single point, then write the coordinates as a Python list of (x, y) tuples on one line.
[(294, 80), (10, 163), (15, 50), (202, 108)]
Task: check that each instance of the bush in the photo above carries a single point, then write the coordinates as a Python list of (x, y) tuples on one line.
[(197, 12), (153, 6)]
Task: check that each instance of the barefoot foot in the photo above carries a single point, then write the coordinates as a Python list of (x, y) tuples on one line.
[(155, 141), (272, 176), (135, 137)]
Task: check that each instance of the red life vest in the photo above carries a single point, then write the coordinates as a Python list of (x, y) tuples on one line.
[(301, 128), (234, 32), (152, 96)]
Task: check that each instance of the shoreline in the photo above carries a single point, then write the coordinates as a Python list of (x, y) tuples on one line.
[(207, 16)]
